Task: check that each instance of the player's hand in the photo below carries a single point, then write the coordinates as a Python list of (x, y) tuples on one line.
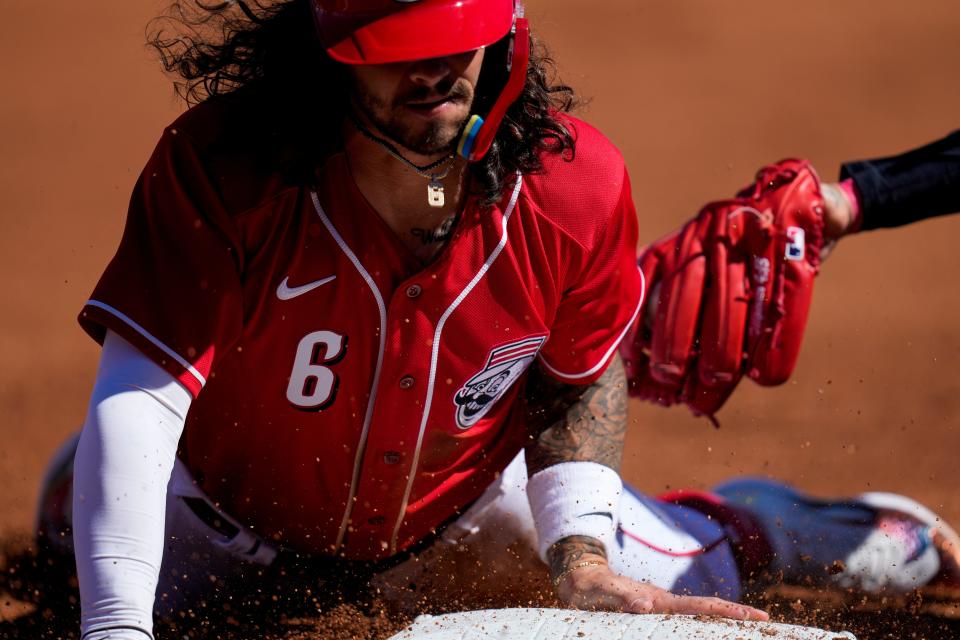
[(838, 218), (598, 587)]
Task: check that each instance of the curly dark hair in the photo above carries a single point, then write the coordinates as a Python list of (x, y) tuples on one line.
[(266, 55)]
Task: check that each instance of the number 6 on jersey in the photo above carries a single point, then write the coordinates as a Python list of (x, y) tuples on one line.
[(313, 386)]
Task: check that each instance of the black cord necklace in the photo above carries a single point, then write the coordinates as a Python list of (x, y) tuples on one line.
[(435, 195)]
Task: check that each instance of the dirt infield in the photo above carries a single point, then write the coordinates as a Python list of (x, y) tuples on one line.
[(697, 94)]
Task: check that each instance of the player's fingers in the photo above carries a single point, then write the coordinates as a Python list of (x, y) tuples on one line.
[(610, 592), (694, 605), (640, 605), (608, 597)]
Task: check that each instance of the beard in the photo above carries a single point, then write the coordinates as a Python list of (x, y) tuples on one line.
[(424, 137)]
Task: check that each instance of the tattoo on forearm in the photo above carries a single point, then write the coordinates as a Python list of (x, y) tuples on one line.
[(576, 423), (568, 552), (441, 233)]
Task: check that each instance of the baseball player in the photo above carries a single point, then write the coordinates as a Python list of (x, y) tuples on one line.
[(366, 309)]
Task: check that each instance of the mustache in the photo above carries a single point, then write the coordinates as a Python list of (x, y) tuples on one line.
[(457, 91)]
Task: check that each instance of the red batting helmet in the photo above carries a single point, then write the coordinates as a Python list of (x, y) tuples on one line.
[(382, 31)]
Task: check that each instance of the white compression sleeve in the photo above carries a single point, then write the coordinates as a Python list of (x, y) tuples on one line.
[(123, 464), (575, 499)]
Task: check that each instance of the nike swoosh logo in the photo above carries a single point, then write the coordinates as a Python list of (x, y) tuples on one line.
[(286, 292)]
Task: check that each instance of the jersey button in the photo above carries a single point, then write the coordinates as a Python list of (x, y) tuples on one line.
[(406, 382), (391, 457), (414, 291)]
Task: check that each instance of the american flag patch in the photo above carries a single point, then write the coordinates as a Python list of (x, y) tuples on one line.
[(527, 348)]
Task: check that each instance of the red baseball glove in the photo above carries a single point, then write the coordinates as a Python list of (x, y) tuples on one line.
[(729, 293)]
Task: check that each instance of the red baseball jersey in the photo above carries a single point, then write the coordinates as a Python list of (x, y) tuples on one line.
[(347, 398)]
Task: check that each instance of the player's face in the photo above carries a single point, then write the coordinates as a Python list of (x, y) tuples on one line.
[(421, 105)]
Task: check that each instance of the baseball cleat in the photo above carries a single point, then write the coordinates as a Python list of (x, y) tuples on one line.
[(873, 542)]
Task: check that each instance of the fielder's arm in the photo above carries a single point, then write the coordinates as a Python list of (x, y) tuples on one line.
[(571, 423)]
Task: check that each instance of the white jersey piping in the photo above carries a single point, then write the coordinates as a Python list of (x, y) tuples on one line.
[(368, 416), (150, 338), (435, 354), (603, 361)]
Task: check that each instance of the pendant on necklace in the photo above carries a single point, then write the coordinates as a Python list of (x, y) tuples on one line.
[(435, 193)]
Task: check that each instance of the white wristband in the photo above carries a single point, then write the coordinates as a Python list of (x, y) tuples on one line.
[(575, 499)]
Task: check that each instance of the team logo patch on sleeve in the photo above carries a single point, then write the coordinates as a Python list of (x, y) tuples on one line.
[(504, 365)]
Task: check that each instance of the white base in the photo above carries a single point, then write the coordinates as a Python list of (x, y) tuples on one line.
[(561, 624)]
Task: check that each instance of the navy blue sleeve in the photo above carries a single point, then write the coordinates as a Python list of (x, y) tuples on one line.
[(913, 186)]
